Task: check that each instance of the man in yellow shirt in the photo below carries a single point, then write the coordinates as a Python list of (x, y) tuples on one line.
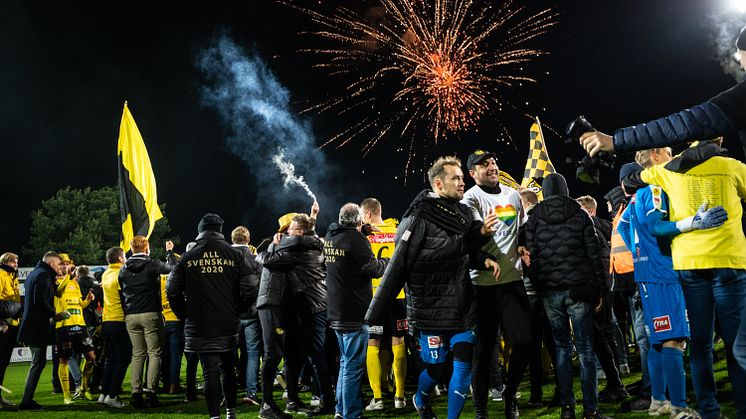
[(9, 291), (114, 329), (71, 333), (711, 263), (382, 243)]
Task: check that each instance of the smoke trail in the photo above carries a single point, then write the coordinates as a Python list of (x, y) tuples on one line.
[(255, 110), (288, 172), (724, 28)]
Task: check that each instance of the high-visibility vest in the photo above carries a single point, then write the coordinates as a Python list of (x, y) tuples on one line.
[(620, 257)]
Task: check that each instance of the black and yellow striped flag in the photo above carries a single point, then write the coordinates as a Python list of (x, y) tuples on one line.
[(508, 180), (138, 199), (538, 165)]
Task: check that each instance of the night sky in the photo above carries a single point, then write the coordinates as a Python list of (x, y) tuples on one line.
[(67, 68)]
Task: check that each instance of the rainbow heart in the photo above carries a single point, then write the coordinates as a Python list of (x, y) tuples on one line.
[(506, 213)]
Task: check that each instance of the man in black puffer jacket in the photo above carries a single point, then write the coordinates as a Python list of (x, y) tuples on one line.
[(209, 286), (566, 269), (437, 242), (292, 311)]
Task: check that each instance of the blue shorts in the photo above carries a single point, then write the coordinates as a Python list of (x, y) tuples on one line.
[(434, 346), (664, 309)]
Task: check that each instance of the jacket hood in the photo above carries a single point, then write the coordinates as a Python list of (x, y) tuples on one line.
[(556, 209), (336, 229), (136, 263), (210, 235), (694, 156), (8, 268), (554, 184)]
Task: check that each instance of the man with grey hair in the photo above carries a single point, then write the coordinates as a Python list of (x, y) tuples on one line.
[(350, 267)]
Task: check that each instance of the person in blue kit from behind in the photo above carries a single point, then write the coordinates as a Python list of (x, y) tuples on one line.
[(645, 229)]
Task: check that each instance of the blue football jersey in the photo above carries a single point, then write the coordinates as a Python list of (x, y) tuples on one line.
[(651, 255)]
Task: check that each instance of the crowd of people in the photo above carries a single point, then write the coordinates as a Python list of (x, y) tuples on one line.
[(461, 296)]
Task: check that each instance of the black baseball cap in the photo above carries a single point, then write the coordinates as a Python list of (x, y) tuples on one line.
[(477, 157)]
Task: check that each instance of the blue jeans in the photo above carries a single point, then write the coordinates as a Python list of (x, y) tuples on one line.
[(252, 331), (352, 351), (561, 310), (709, 292), (643, 344), (173, 349)]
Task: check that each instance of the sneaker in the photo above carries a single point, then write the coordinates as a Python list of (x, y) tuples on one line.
[(280, 380), (76, 394), (612, 395), (338, 415), (624, 369), (101, 398), (251, 399), (315, 401), (535, 402), (425, 410), (285, 395), (32, 406), (193, 397), (511, 408), (659, 407), (601, 374), (297, 406), (595, 415), (568, 411), (441, 389), (400, 402), (151, 400), (113, 402), (268, 411), (68, 401), (375, 404), (640, 405), (5, 403), (496, 394), (89, 396), (684, 413), (137, 401)]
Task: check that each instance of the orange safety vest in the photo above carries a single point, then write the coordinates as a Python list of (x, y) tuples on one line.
[(620, 257)]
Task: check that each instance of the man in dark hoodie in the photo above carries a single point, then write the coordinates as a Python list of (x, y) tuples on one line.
[(437, 242), (140, 285), (566, 268), (210, 285), (351, 265)]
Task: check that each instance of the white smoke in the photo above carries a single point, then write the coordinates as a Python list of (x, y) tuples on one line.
[(725, 25), (288, 172)]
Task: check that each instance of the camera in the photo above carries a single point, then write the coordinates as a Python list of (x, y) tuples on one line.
[(588, 168)]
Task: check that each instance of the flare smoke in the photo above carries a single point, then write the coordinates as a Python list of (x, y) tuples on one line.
[(288, 172)]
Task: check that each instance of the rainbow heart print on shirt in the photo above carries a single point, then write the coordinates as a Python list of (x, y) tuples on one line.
[(506, 214)]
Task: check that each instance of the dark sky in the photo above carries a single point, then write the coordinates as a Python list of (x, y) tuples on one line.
[(67, 67)]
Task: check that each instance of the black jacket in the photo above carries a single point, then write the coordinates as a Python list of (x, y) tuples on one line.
[(300, 261), (140, 283), (565, 251), (89, 313), (38, 307), (256, 270), (437, 242), (603, 232), (350, 267), (209, 286)]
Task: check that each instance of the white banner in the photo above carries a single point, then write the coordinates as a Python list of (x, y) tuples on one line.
[(23, 354)]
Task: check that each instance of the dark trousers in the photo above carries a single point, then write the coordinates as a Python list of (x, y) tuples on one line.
[(604, 343), (38, 362), (172, 351), (541, 332), (281, 337), (505, 304), (118, 355), (313, 335), (191, 374), (219, 368), (7, 342)]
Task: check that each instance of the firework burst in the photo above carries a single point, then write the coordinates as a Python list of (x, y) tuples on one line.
[(442, 66)]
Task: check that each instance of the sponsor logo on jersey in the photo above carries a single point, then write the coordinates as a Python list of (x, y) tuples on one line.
[(662, 323), (434, 342), (507, 214), (382, 238), (402, 324)]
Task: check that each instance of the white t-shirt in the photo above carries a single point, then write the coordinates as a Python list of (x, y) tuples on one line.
[(504, 243)]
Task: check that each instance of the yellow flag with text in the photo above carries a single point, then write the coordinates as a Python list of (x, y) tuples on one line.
[(538, 165), (138, 199)]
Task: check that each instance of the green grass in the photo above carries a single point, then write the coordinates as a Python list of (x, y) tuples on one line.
[(175, 407)]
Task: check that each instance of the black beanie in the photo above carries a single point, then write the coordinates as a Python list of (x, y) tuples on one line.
[(741, 40), (629, 169), (211, 222), (554, 184)]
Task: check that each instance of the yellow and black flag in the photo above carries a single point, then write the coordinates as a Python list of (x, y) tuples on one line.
[(138, 199), (538, 165), (508, 180)]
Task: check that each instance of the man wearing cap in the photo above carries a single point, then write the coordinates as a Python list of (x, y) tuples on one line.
[(140, 282), (210, 285), (501, 301)]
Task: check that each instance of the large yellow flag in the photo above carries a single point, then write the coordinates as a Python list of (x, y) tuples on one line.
[(538, 165), (138, 199)]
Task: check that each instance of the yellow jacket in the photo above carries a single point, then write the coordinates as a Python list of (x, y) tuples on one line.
[(9, 287)]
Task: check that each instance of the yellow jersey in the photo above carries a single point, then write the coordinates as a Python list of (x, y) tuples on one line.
[(168, 314), (717, 181), (71, 301), (10, 289), (382, 243), (113, 311)]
